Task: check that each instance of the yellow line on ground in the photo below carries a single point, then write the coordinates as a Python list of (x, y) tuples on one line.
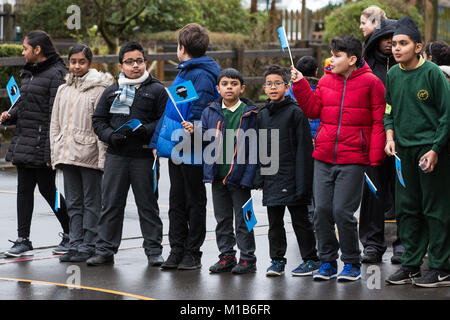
[(80, 287)]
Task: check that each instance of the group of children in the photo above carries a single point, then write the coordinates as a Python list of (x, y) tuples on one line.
[(328, 167)]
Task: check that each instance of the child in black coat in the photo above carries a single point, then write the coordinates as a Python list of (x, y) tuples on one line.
[(291, 185)]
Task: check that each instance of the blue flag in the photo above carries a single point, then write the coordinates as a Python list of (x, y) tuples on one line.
[(371, 185), (155, 178), (249, 215), (398, 168), (13, 91), (283, 39), (183, 92), (57, 200), (133, 124)]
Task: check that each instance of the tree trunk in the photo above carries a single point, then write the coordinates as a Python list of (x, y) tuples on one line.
[(434, 28), (254, 6)]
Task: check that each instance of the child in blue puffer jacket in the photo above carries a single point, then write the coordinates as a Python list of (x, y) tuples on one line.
[(187, 196)]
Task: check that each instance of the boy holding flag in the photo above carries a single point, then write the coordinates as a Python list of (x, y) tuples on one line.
[(230, 174), (417, 129), (187, 199)]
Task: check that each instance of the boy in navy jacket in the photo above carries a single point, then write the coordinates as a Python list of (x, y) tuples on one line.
[(187, 199), (231, 170)]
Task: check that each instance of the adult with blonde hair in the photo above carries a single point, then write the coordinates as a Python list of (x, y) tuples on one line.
[(370, 19)]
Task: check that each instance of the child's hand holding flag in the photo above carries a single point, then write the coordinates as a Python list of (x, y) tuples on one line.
[(295, 75)]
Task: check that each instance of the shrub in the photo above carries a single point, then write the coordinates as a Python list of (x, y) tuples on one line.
[(345, 20)]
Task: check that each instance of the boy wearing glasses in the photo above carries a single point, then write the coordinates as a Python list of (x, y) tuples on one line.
[(291, 186), (129, 161)]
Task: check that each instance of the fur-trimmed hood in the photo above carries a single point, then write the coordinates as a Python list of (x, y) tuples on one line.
[(91, 79)]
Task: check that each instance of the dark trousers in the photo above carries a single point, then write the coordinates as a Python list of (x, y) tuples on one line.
[(303, 231), (83, 189), (228, 201), (27, 178), (372, 213), (121, 172), (422, 209), (337, 195), (187, 209)]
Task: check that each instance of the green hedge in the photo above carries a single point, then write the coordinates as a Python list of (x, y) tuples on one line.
[(345, 20)]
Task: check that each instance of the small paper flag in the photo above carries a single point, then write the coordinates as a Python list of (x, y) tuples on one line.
[(398, 168), (249, 215)]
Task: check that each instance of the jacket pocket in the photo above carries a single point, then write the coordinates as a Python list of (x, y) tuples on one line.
[(317, 136), (363, 143), (84, 149)]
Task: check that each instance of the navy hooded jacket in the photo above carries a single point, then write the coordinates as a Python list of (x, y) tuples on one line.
[(240, 174), (203, 73)]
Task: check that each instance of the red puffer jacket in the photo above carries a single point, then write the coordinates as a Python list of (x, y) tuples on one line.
[(351, 113)]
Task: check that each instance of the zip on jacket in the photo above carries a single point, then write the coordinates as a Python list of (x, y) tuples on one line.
[(340, 118), (236, 143)]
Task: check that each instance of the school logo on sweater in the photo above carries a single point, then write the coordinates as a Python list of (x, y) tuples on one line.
[(423, 94)]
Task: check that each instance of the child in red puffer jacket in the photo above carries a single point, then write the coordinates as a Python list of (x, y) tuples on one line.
[(349, 100)]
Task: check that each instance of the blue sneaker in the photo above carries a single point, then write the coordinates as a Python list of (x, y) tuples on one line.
[(351, 272), (276, 268), (306, 268), (326, 272)]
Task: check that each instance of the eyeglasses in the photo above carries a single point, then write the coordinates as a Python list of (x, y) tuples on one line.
[(276, 84), (130, 62)]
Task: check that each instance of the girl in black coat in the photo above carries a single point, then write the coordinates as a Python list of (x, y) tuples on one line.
[(29, 150)]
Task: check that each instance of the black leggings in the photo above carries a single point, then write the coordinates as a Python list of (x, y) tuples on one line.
[(27, 180)]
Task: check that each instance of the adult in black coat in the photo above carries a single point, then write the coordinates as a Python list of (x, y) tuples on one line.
[(30, 147), (378, 55)]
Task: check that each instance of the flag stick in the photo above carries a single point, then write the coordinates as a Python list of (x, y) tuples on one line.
[(174, 103), (289, 49)]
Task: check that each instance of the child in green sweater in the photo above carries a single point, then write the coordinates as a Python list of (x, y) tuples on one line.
[(417, 123)]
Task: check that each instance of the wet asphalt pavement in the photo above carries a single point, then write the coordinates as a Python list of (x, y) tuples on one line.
[(43, 277)]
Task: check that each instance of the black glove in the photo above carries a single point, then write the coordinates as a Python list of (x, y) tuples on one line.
[(140, 133), (117, 140)]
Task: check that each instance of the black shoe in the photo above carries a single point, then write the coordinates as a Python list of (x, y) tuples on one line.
[(396, 259), (172, 261), (155, 260), (63, 246), (225, 264), (190, 262), (371, 257), (433, 279), (404, 276), (244, 267), (98, 260), (66, 257), (397, 255), (80, 257), (21, 247)]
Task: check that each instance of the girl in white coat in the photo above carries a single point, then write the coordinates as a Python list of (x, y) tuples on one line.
[(76, 150)]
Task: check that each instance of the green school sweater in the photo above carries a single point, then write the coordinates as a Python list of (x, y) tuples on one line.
[(420, 106), (232, 120)]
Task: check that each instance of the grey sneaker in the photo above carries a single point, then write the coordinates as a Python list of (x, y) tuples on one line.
[(21, 247), (404, 275), (433, 279), (306, 268), (63, 247), (155, 260)]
